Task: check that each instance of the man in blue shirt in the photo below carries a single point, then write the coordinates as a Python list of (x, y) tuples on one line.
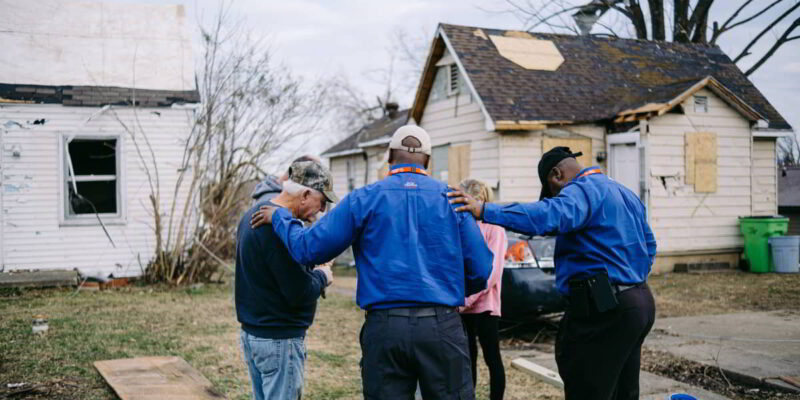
[(604, 251), (417, 259)]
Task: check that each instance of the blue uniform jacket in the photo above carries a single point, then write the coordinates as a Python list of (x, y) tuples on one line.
[(411, 248), (600, 225)]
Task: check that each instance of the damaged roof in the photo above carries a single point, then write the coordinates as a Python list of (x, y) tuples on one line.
[(376, 132), (95, 53), (599, 77)]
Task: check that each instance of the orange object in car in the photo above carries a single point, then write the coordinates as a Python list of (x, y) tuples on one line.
[(517, 252)]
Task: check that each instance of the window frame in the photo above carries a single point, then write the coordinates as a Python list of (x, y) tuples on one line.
[(64, 217), (700, 100)]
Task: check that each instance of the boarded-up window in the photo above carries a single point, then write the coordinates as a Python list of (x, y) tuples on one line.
[(583, 145), (450, 163), (701, 161), (458, 164)]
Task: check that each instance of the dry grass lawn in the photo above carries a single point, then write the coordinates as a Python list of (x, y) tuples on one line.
[(200, 326)]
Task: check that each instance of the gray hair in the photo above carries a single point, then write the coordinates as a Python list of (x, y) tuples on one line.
[(477, 189), (294, 188)]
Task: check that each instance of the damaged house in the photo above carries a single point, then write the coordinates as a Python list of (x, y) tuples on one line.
[(678, 124), (96, 104)]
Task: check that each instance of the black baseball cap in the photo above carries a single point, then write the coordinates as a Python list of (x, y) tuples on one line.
[(549, 160)]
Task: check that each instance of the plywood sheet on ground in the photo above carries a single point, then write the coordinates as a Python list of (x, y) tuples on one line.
[(151, 378)]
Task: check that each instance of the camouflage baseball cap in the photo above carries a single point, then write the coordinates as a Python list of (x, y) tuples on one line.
[(315, 176)]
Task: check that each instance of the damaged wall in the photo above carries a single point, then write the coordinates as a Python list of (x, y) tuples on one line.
[(33, 185), (686, 219)]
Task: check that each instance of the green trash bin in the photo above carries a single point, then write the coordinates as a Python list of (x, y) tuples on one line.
[(756, 232)]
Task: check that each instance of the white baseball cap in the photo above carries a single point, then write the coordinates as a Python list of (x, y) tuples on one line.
[(411, 131)]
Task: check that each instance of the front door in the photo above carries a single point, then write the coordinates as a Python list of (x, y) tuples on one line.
[(624, 162)]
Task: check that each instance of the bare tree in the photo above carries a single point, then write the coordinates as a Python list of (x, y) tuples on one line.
[(789, 151), (251, 111), (689, 22)]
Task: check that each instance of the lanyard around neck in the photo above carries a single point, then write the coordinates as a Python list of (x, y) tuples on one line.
[(414, 170), (589, 172)]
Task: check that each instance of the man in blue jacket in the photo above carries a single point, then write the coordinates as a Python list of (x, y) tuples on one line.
[(276, 297), (604, 251), (417, 259)]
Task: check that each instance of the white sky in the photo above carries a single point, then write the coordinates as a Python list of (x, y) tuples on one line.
[(320, 38)]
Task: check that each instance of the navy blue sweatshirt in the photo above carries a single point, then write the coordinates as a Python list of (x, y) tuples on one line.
[(276, 297)]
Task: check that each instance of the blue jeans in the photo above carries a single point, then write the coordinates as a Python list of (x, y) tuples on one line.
[(276, 366)]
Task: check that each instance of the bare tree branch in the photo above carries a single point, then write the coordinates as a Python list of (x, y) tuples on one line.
[(783, 39), (746, 51)]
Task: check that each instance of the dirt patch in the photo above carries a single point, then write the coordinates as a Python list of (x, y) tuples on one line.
[(707, 377)]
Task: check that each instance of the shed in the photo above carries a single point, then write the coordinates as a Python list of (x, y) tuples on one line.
[(789, 196), (361, 157), (75, 191)]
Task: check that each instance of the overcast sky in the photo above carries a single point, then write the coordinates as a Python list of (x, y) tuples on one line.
[(321, 38)]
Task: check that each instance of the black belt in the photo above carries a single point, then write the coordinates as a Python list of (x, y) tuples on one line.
[(622, 288), (417, 312)]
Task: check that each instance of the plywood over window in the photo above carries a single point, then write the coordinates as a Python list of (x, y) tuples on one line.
[(583, 145), (701, 161), (458, 158)]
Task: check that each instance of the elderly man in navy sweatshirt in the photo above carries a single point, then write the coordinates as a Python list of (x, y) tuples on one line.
[(276, 297)]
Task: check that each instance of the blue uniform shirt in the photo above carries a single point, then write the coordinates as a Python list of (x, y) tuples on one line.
[(600, 225), (411, 247)]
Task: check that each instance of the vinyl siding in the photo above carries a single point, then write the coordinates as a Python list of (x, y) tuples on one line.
[(765, 170), (459, 120), (339, 171), (682, 219), (519, 158), (32, 237)]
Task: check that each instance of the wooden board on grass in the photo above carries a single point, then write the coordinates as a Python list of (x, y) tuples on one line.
[(151, 378)]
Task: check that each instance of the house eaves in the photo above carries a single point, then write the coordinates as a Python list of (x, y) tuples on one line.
[(343, 153), (660, 108)]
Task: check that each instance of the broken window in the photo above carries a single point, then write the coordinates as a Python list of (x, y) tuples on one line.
[(91, 168), (700, 104)]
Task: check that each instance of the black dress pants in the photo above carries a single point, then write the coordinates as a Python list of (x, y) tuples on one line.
[(598, 356), (399, 351), (482, 328)]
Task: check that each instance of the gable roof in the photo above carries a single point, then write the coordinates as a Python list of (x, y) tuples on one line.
[(377, 132), (599, 78)]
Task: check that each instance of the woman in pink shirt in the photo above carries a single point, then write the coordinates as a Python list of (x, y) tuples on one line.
[(481, 312)]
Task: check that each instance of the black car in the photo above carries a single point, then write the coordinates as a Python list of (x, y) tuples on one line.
[(529, 282)]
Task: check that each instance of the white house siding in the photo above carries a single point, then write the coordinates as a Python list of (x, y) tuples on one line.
[(765, 184), (339, 172), (519, 158), (682, 220), (376, 158), (459, 120), (31, 235)]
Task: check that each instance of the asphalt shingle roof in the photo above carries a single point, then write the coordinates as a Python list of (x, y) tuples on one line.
[(600, 76), (380, 128)]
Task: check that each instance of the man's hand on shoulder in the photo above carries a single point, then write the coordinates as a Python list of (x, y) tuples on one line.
[(262, 217), (470, 204)]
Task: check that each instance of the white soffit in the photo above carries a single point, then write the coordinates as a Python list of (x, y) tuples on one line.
[(529, 53), (62, 42)]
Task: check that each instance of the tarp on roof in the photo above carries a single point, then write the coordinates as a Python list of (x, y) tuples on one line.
[(61, 43)]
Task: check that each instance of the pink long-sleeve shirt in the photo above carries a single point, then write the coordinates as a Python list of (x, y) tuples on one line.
[(489, 298)]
